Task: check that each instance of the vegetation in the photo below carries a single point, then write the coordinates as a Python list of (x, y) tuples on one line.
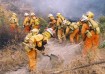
[(102, 24), (10, 44), (4, 15), (5, 34), (43, 24), (102, 27)]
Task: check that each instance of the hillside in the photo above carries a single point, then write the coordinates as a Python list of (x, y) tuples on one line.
[(4, 15), (17, 6), (62, 58), (6, 10)]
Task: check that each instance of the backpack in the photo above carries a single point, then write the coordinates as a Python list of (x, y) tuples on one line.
[(74, 26), (40, 42), (39, 39), (94, 26), (93, 23)]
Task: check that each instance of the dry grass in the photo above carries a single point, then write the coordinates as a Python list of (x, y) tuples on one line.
[(12, 58), (92, 69), (12, 55)]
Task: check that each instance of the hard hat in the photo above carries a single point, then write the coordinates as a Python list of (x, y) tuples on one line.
[(58, 14), (50, 15), (26, 14), (14, 14), (68, 22), (84, 18), (35, 31), (32, 14), (90, 14), (50, 30)]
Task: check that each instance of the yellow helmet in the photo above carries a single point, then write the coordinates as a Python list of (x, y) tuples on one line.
[(68, 22), (90, 14), (79, 23), (14, 14), (50, 15), (36, 31), (32, 14)]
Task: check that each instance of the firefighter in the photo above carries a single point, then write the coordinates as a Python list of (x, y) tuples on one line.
[(48, 33), (14, 22), (52, 21), (34, 22), (67, 28), (90, 33), (26, 23), (60, 27), (30, 49), (79, 24), (74, 32), (34, 42)]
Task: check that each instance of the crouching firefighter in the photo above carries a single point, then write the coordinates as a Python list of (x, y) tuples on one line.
[(45, 36), (34, 42), (90, 33), (30, 44)]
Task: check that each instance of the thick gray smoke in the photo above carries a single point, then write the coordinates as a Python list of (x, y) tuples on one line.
[(69, 8)]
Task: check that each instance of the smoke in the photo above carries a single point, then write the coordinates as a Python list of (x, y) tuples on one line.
[(69, 8)]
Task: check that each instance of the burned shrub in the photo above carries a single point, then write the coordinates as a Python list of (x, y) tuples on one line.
[(8, 37)]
